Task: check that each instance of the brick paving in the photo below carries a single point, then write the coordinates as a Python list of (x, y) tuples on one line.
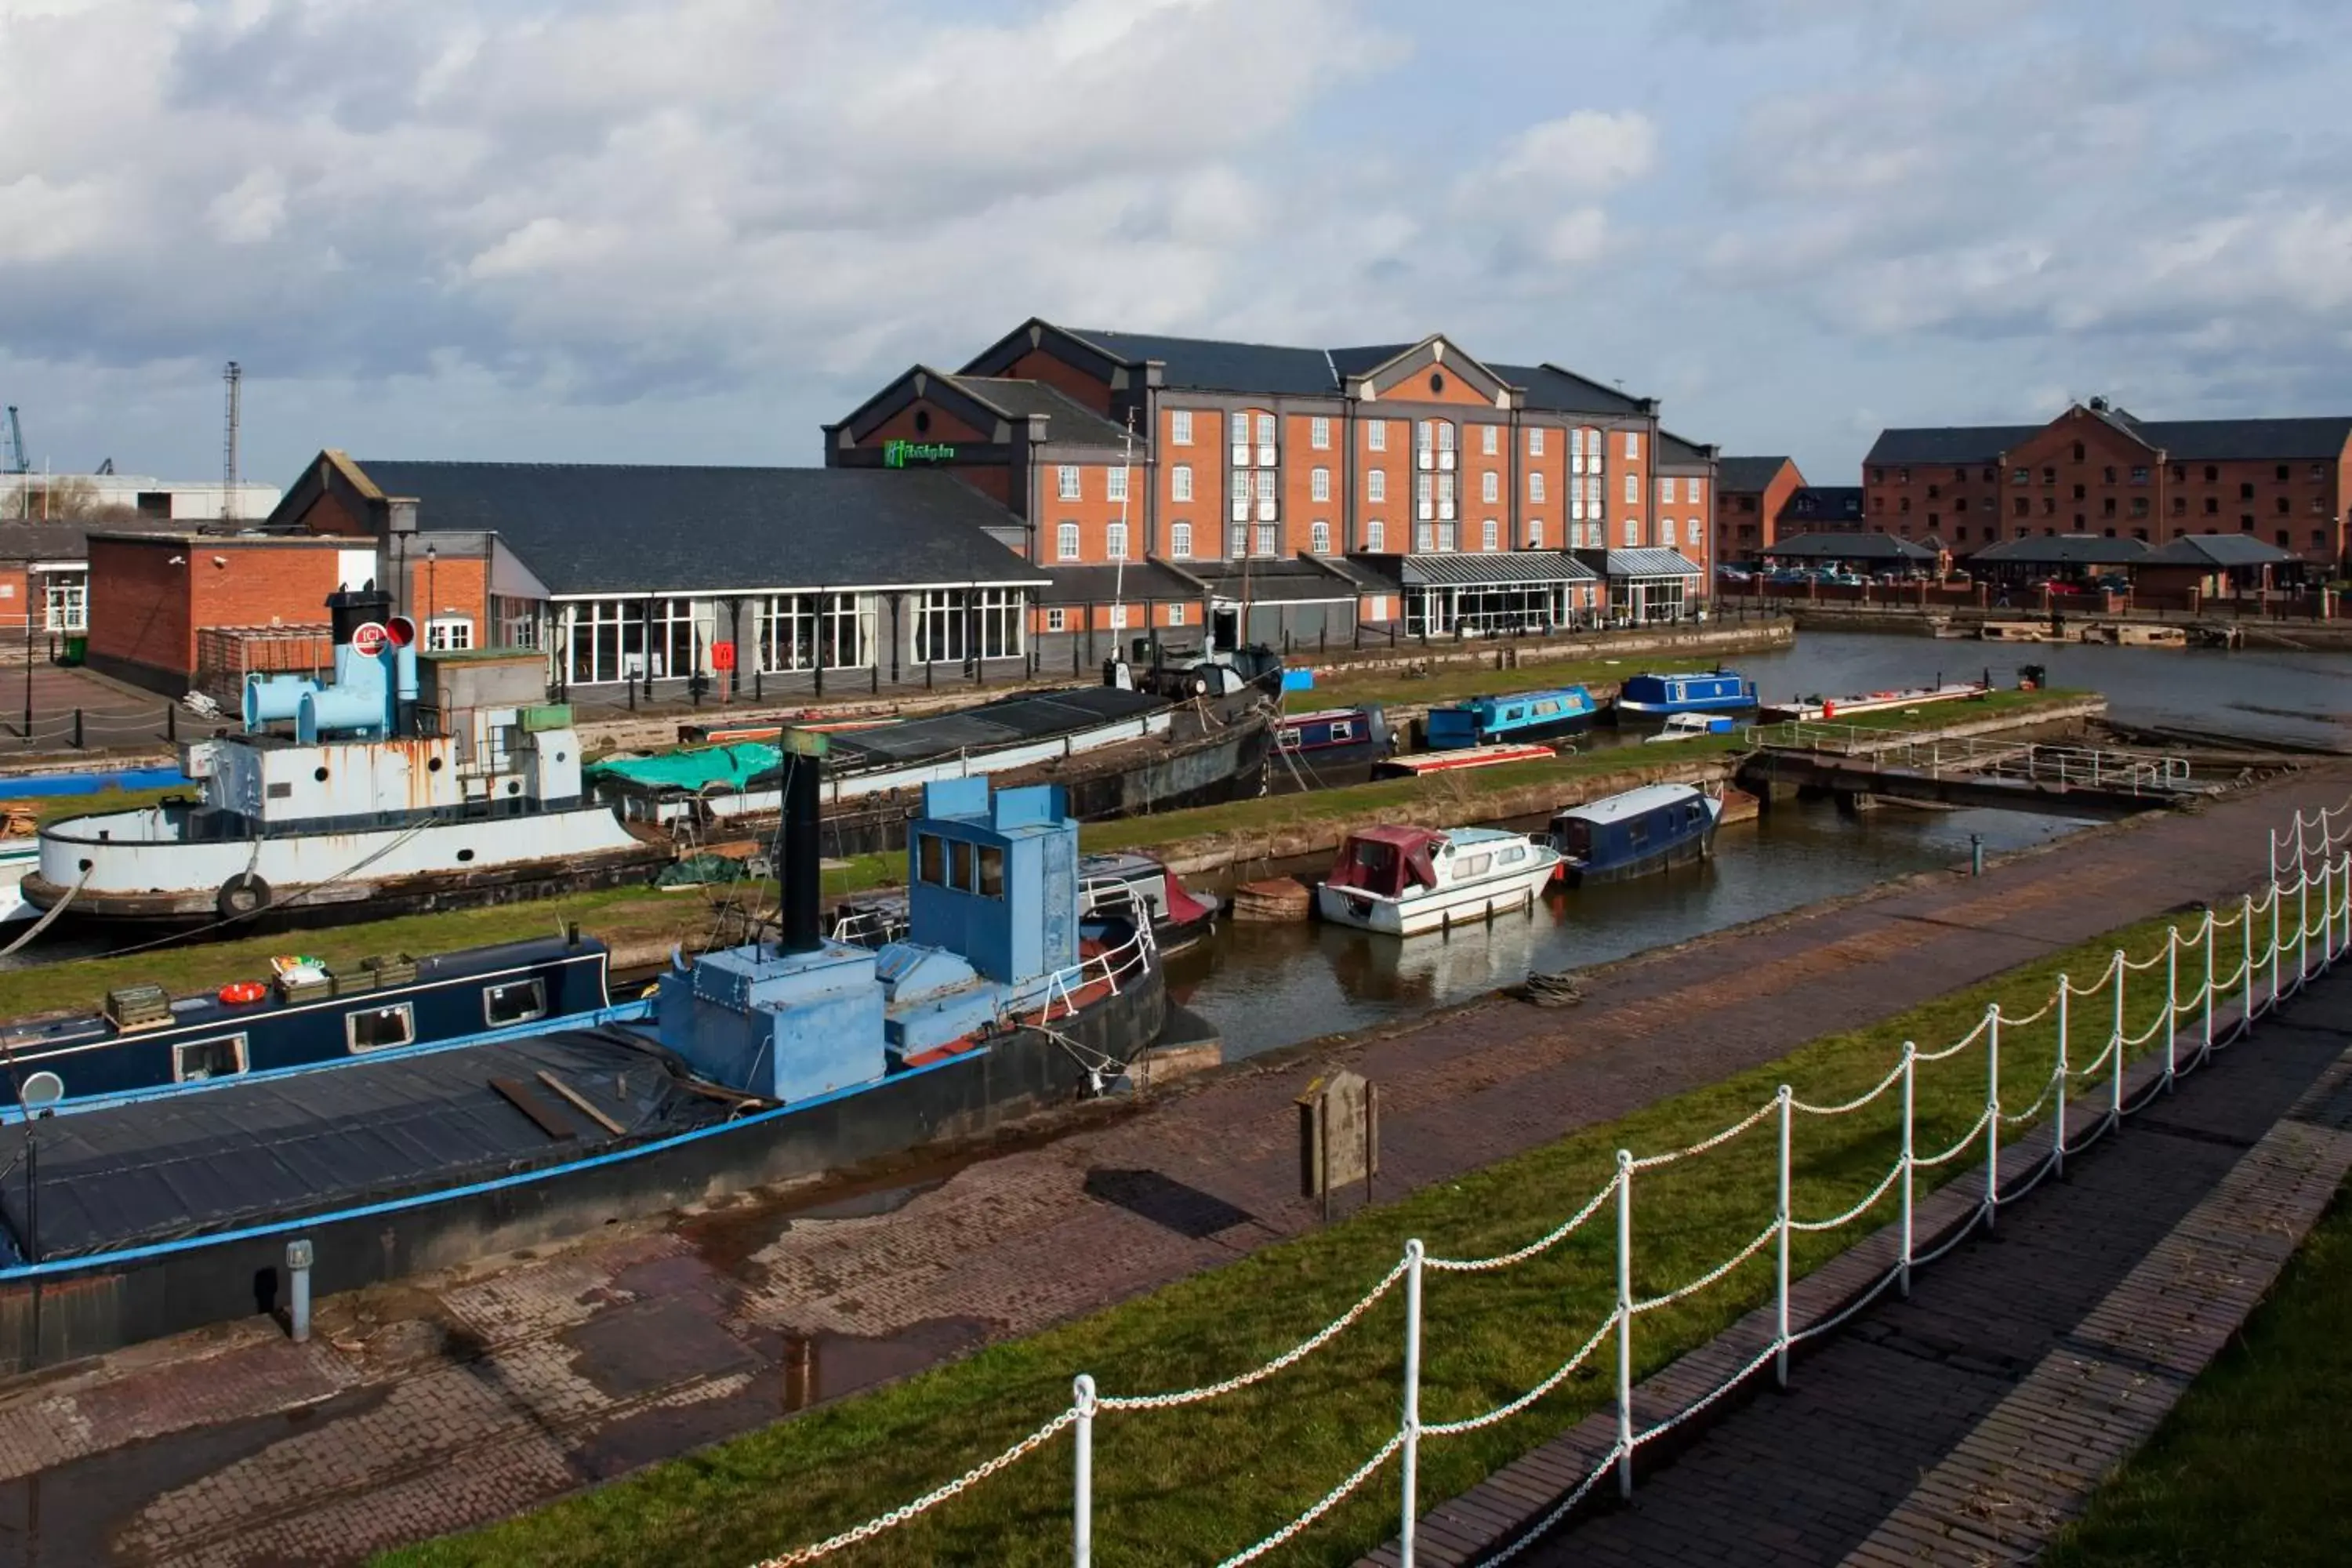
[(440, 1404)]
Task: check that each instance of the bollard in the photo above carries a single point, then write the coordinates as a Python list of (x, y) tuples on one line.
[(1976, 854), (77, 740), (298, 1297), (171, 721), (1082, 1509)]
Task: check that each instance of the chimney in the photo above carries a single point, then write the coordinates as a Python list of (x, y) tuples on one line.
[(803, 869)]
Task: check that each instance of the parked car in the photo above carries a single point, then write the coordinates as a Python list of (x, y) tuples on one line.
[(2061, 587), (1733, 574)]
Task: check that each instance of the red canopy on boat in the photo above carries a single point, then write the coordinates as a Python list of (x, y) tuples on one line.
[(1387, 861)]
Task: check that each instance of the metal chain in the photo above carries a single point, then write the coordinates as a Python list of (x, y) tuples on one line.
[(1330, 1501), (1504, 1412), (1549, 1240), (1959, 1148), (2021, 1118), (1893, 1078), (1717, 1272), (1858, 1210), (1290, 1357), (1702, 1145), (1560, 1510), (1720, 1389)]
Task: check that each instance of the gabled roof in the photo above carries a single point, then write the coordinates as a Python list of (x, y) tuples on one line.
[(1559, 391), (1365, 360), (2064, 549), (1072, 421), (1673, 452), (2215, 549), (1956, 443), (1848, 547), (2249, 440), (1211, 364), (1822, 503), (591, 527), (1750, 473)]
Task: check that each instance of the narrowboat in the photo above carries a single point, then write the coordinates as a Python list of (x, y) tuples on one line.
[(1330, 747), (1636, 833), (306, 1013), (1522, 716), (1689, 727), (135, 1217), (1830, 709), (1658, 695), (1402, 881), (1421, 762), (1124, 882)]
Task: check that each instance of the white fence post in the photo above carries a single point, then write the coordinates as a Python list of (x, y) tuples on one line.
[(2212, 938), (1780, 1359), (2171, 1003), (1910, 1149), (2302, 930), (1992, 1116), (1082, 1512), (1409, 1509), (2277, 898), (2246, 1011), (1625, 1323), (2058, 1117)]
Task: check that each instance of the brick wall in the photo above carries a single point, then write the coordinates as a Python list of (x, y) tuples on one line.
[(145, 609)]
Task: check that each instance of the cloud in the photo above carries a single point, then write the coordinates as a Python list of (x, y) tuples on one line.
[(1587, 150)]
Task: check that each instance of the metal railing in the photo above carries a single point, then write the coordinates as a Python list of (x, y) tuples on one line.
[(2298, 942), (1063, 986), (2140, 772)]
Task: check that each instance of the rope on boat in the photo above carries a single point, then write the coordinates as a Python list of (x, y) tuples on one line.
[(1548, 989), (52, 913)]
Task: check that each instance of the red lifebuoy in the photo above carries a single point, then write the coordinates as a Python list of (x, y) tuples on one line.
[(239, 992)]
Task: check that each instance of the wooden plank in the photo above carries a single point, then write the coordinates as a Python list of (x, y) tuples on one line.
[(579, 1103), (518, 1095)]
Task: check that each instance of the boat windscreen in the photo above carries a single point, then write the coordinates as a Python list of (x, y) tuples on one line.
[(1384, 863), (1575, 836)]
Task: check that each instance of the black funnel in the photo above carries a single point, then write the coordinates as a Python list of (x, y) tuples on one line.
[(804, 873), (355, 607)]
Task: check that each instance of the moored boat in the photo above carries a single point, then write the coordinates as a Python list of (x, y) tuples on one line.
[(19, 858), (1645, 696), (1830, 709), (1521, 716), (1636, 833), (1330, 747), (1125, 882), (1402, 881), (1690, 727), (1420, 762)]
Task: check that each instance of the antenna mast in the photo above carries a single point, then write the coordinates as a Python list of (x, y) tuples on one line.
[(232, 377)]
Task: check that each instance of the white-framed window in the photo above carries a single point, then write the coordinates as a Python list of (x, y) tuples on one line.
[(1116, 483), (1241, 488), (1666, 490), (1237, 540), (517, 620), (1180, 482), (1376, 436), (1319, 485), (799, 631), (1180, 540), (1490, 440), (65, 601), (515, 1001), (1691, 491), (1490, 485), (1238, 426), (1445, 497), (1424, 538), (628, 639), (1576, 451), (1066, 541), (1319, 538), (1593, 497), (1066, 482), (1632, 446), (1119, 617), (1057, 620), (1691, 530), (1424, 495), (1633, 534), (1447, 540), (1180, 427), (1269, 540), (223, 1055), (1377, 607), (1424, 441), (1535, 441), (1665, 533), (1444, 435), (1266, 477), (1175, 615), (1376, 485), (451, 632), (379, 1028), (1632, 490), (1490, 533), (1536, 486), (1535, 533), (1318, 433), (1264, 435), (1115, 542), (964, 623)]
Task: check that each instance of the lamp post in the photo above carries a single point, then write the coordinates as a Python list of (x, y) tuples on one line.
[(431, 558)]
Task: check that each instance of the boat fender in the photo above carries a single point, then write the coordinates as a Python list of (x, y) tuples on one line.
[(242, 894), (242, 991)]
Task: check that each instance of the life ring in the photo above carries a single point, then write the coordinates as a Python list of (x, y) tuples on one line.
[(243, 894), (239, 992)]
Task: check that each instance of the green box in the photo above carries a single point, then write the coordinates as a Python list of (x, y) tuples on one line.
[(552, 716)]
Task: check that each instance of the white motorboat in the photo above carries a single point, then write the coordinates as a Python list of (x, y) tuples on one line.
[(1689, 727), (1404, 881)]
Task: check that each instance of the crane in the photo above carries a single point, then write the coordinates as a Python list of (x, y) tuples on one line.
[(17, 462)]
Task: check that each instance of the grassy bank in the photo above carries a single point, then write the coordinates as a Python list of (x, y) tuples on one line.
[(1195, 1483), (2251, 1464)]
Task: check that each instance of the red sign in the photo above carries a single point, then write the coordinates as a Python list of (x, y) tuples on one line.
[(402, 629), (723, 656), (369, 638)]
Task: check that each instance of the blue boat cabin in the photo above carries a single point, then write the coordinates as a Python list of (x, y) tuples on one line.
[(1720, 693), (1522, 716)]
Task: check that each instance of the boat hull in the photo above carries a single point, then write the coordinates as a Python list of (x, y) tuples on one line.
[(1683, 852), (1438, 909)]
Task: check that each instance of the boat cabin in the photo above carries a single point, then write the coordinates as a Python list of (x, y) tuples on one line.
[(1640, 830), (1720, 693), (1335, 730), (1522, 716)]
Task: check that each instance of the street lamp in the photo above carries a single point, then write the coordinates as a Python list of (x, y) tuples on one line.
[(432, 555)]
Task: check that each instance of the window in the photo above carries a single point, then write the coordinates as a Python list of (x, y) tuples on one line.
[(1690, 534), (1666, 490), (1377, 607), (2049, 475), (1424, 494), (1632, 446), (1319, 538), (516, 1001), (1067, 480), (193, 1061), (1535, 533), (2280, 474), (65, 597), (2212, 473), (1632, 490), (1960, 507), (1903, 476), (1180, 482), (2246, 522), (2139, 475), (1269, 538), (1319, 485), (2080, 492), (2049, 506), (1536, 487), (1237, 540), (1877, 504), (1376, 436), (1057, 620), (1180, 540), (1633, 534), (2319, 473), (991, 872), (965, 623), (2283, 543), (1424, 538), (1534, 442), (610, 640), (1066, 541), (1265, 436), (1490, 485), (2281, 505), (2181, 506), (1490, 440), (1935, 493), (1115, 542), (2078, 451), (1115, 483), (2020, 476), (379, 1028), (2213, 506), (2108, 506), (2318, 507), (1265, 487), (451, 632), (2107, 474), (1318, 433), (1175, 615), (1376, 536), (518, 621), (1119, 617), (1376, 485), (1180, 427), (1576, 451), (2246, 492), (959, 864), (2139, 506), (2319, 539), (1691, 491), (1241, 426), (1490, 533), (798, 631)]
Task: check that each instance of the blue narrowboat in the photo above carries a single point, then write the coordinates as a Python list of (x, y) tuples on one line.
[(307, 1015), (1522, 716), (1656, 696), (1331, 746), (1634, 833)]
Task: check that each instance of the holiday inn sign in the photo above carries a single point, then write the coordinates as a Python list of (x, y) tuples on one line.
[(899, 454)]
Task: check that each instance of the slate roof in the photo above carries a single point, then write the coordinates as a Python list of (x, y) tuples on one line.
[(1072, 421), (1952, 444), (1651, 564), (33, 540), (2064, 549), (1294, 581), (1848, 547), (1475, 568), (1746, 473), (2215, 549), (1822, 503), (2249, 440), (1673, 452), (591, 527), (1210, 365), (1557, 391), (1359, 361), (1105, 584)]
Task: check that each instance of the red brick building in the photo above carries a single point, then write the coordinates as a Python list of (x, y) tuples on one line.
[(1748, 495), (2099, 469)]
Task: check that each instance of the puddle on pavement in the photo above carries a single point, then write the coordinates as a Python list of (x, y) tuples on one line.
[(651, 1345), (728, 1239)]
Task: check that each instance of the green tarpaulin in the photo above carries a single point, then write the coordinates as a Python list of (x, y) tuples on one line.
[(735, 766)]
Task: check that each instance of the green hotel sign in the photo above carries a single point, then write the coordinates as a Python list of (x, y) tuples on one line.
[(899, 454)]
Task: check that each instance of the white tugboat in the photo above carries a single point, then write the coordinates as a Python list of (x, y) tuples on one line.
[(408, 782), (1405, 880)]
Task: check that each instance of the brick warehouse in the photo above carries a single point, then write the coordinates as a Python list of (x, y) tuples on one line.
[(2098, 469), (1320, 489)]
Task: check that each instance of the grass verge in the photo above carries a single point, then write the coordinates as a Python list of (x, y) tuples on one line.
[(2250, 1466), (1196, 1483)]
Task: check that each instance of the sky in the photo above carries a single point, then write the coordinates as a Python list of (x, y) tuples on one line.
[(691, 231)]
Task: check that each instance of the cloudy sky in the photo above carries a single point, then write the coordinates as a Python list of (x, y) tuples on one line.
[(691, 230)]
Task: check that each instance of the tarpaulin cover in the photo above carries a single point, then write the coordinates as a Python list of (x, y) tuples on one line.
[(313, 1143), (1387, 861), (734, 766)]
